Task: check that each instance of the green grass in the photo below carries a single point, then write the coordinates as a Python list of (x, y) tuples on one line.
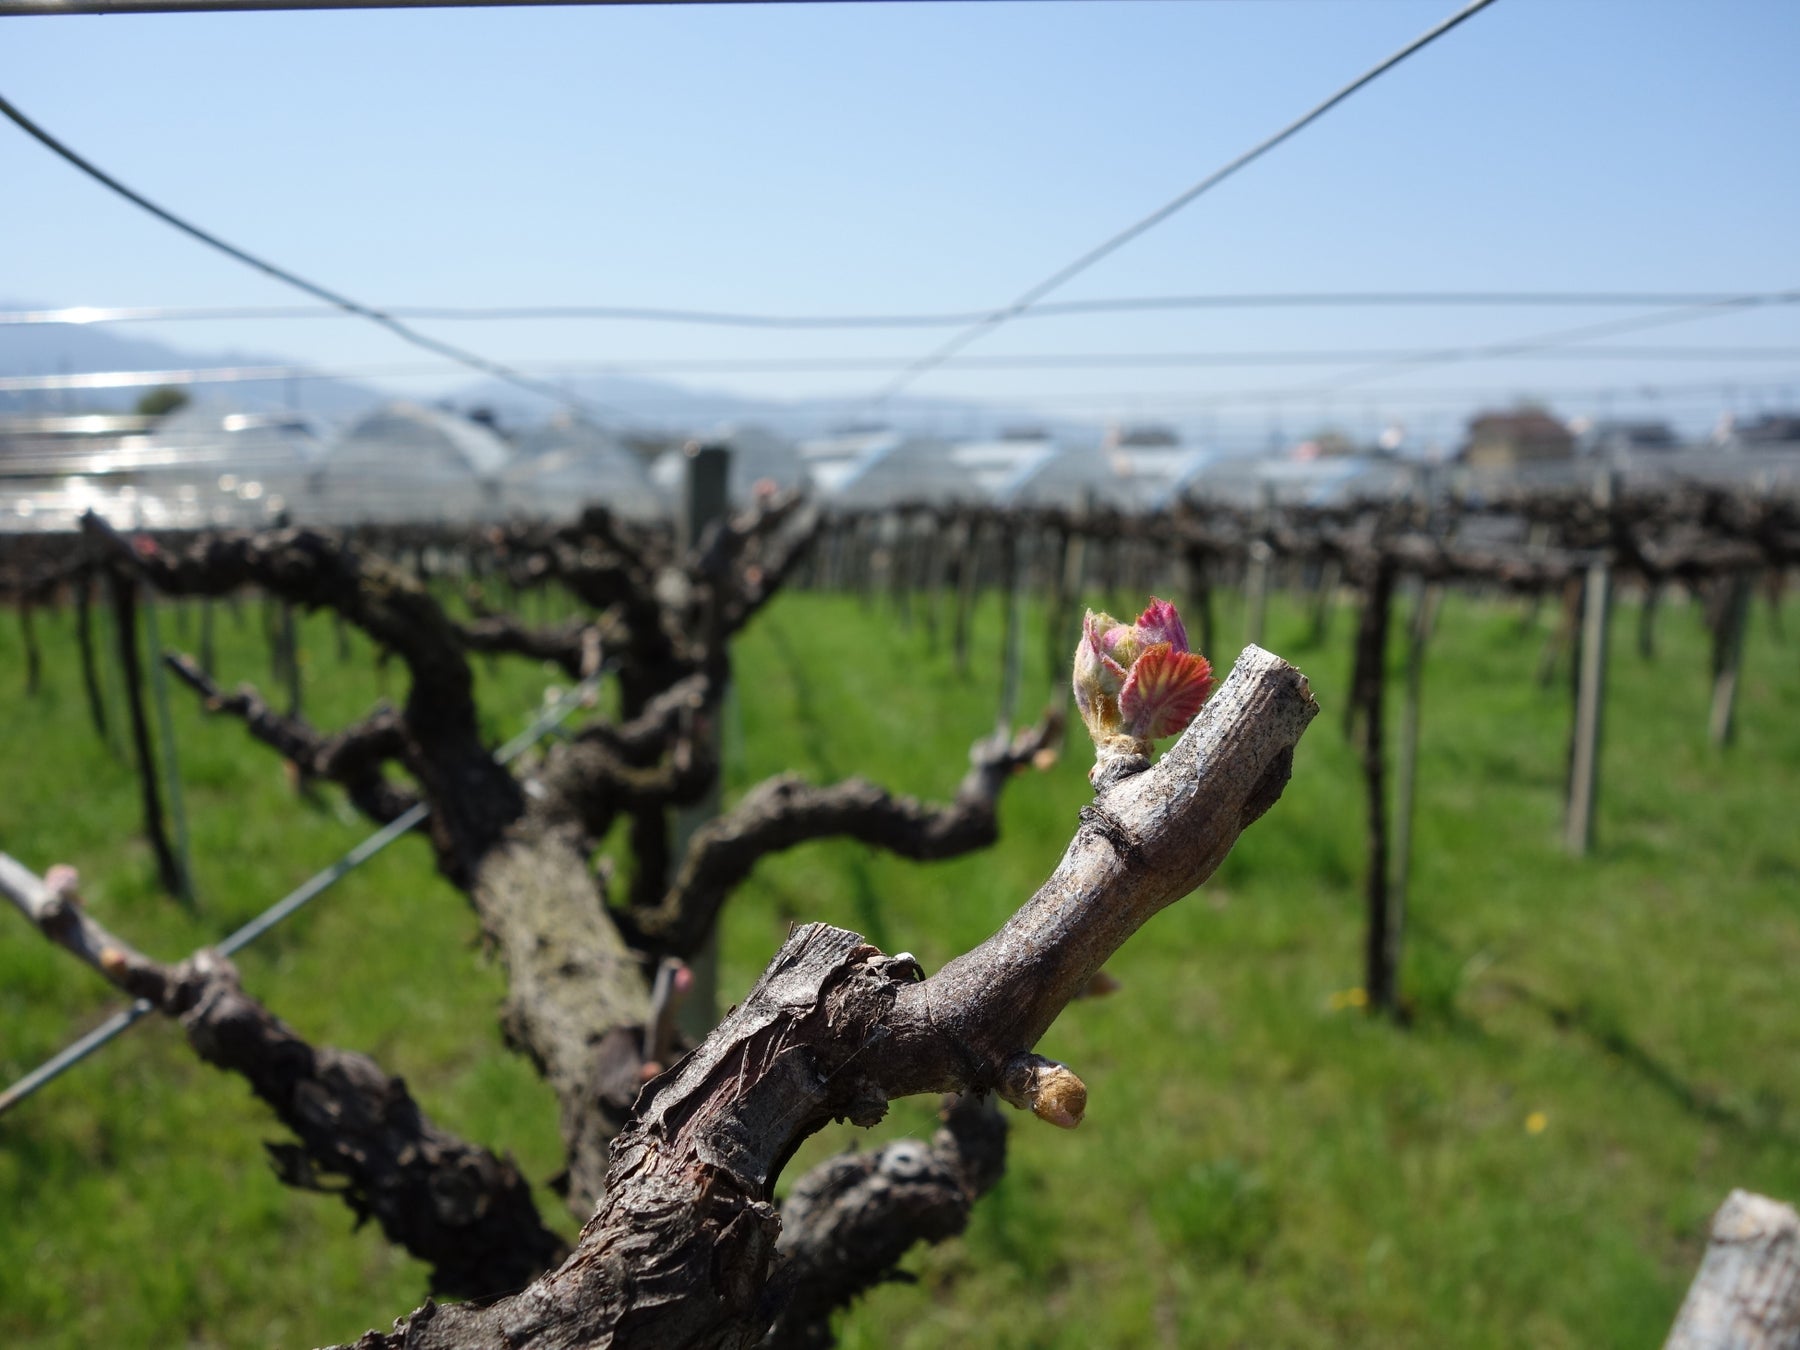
[(1260, 1165)]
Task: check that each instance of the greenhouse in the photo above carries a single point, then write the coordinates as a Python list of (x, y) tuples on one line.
[(569, 464), (872, 469), (407, 462)]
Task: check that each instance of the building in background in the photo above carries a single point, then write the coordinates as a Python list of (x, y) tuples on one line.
[(1511, 440)]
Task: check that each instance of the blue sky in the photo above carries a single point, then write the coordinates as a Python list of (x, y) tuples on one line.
[(816, 158)]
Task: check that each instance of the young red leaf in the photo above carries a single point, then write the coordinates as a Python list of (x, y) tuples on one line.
[(1164, 691), (1160, 623)]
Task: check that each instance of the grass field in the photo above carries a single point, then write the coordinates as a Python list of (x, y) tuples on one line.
[(1600, 1048)]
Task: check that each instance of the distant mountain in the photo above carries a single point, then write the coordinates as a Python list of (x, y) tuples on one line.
[(655, 405), (72, 349)]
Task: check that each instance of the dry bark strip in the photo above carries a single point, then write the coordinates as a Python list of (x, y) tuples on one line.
[(458, 1207), (683, 1247)]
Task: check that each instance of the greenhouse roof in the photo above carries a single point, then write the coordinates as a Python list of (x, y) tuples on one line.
[(407, 437), (568, 465)]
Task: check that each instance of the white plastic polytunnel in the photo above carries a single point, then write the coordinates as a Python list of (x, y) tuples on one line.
[(204, 466), (570, 464), (1001, 467), (873, 469), (406, 462), (1155, 477), (1043, 472), (758, 457)]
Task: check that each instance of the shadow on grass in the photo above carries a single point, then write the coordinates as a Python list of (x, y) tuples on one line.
[(1600, 1029)]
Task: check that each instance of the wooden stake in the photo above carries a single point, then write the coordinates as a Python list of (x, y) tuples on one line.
[(900, 569), (1425, 604), (1331, 576), (1200, 579), (968, 563), (1590, 694), (165, 727), (1728, 658), (290, 658), (90, 673), (1381, 973), (1012, 644), (707, 499), (1068, 563), (932, 575), (1646, 632), (868, 563), (124, 591)]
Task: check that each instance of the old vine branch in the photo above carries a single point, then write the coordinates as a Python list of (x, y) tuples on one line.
[(473, 800), (351, 758), (682, 1248), (848, 1222), (785, 811), (651, 734), (318, 570), (769, 542), (458, 1207), (575, 645), (590, 782)]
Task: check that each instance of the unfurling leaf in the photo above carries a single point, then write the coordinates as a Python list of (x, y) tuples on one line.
[(1137, 681), (1098, 676), (1163, 692), (1160, 623)]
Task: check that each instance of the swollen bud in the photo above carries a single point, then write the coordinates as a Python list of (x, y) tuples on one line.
[(1137, 682), (1049, 1090)]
